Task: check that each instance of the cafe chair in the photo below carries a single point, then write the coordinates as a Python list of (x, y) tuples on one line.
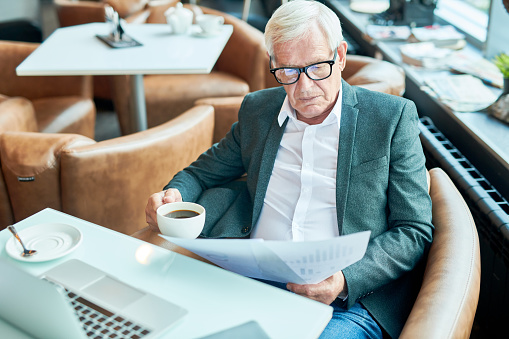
[(446, 304), (107, 182), (240, 68), (72, 12), (448, 297), (16, 114), (367, 72), (62, 104)]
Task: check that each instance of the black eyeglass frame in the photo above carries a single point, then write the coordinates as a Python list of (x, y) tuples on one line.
[(305, 69)]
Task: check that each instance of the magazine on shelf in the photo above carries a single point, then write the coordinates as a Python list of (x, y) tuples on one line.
[(461, 92), (387, 33), (445, 36), (425, 54), (460, 62)]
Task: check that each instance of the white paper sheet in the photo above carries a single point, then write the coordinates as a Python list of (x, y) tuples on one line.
[(305, 262)]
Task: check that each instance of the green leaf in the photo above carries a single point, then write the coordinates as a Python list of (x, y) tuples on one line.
[(502, 62)]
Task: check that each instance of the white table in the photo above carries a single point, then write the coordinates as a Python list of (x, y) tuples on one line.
[(216, 299), (75, 50)]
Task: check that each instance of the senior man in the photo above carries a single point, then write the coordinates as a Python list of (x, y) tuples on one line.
[(322, 159)]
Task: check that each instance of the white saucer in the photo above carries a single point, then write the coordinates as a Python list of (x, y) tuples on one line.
[(201, 34), (51, 240)]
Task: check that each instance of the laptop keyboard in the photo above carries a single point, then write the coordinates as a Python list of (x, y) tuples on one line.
[(100, 323)]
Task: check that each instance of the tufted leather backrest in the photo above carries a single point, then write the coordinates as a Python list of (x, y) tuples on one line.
[(447, 301)]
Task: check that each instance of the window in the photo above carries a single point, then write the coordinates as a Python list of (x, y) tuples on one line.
[(469, 16)]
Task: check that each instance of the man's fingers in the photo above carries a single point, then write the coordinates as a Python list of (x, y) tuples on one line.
[(171, 195)]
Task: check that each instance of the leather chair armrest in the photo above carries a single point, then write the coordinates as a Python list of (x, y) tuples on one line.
[(226, 113), (31, 169), (35, 87), (17, 114), (447, 301), (374, 74)]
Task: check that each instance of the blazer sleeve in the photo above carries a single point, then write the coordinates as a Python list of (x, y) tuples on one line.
[(218, 165), (395, 251)]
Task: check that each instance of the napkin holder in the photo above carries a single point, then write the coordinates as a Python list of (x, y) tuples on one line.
[(117, 37)]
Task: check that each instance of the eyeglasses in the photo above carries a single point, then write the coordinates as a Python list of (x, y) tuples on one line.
[(317, 71)]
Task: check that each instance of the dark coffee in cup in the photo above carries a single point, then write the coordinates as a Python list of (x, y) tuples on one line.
[(181, 214)]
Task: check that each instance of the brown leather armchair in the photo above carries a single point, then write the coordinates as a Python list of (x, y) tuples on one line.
[(367, 72), (447, 301), (62, 104), (241, 68), (105, 182)]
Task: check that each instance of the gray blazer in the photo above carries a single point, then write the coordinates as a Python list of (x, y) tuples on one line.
[(381, 186)]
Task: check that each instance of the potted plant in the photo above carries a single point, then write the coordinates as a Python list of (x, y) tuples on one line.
[(502, 62), (500, 108)]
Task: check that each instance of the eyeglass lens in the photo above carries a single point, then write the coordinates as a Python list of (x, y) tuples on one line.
[(314, 72)]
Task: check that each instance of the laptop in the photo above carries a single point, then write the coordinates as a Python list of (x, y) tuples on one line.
[(77, 300)]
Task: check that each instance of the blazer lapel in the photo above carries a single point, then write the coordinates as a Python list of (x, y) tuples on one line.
[(267, 164), (347, 130)]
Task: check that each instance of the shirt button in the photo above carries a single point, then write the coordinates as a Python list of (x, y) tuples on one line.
[(245, 229)]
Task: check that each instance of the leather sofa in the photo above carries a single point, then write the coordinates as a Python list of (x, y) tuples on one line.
[(362, 71), (105, 182), (446, 304)]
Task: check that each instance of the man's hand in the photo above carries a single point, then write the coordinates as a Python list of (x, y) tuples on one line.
[(158, 199), (325, 292)]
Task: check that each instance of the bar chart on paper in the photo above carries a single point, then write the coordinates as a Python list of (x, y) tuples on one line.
[(303, 262)]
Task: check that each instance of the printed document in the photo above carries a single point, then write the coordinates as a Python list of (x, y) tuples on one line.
[(303, 262)]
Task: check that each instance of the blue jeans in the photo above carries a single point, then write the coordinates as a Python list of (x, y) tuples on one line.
[(354, 323)]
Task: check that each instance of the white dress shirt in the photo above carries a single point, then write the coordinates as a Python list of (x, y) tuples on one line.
[(300, 202)]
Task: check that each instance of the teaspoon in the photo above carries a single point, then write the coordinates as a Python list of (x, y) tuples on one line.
[(25, 253)]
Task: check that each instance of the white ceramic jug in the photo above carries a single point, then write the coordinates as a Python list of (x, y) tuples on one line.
[(179, 18)]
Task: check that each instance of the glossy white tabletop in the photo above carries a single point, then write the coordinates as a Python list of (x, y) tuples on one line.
[(76, 50), (216, 299)]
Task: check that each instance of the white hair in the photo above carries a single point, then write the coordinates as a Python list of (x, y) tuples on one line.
[(294, 19)]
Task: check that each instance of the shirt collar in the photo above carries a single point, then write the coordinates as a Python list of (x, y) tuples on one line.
[(287, 111)]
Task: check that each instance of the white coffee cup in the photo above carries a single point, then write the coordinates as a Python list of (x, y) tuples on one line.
[(181, 219), (210, 23)]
